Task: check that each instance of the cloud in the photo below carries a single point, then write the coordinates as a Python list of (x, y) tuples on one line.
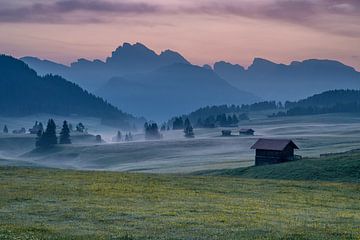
[(72, 11), (335, 16)]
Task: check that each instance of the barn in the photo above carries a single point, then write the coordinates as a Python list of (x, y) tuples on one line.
[(246, 131), (271, 151), (226, 132)]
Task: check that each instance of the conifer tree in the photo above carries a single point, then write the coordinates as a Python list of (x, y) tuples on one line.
[(65, 134), (48, 138), (5, 130), (38, 138), (118, 136), (188, 129), (80, 128)]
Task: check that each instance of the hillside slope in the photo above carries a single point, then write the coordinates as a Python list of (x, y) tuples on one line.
[(343, 167), (23, 93)]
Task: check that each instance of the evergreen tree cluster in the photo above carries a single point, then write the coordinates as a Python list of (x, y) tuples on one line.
[(38, 126), (152, 131), (223, 115), (209, 111), (48, 138), (221, 120), (178, 123)]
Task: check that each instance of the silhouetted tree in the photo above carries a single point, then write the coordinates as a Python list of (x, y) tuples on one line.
[(188, 129), (65, 134), (5, 130), (80, 127), (98, 138), (128, 137), (48, 138), (118, 137)]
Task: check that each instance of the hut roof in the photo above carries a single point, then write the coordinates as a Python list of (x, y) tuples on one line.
[(273, 144), (246, 130)]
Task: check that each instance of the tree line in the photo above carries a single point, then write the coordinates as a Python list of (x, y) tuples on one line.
[(334, 101), (221, 115)]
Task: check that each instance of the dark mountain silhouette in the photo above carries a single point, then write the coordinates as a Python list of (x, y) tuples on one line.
[(23, 92), (137, 79), (140, 76), (137, 57), (126, 59), (170, 90), (289, 82)]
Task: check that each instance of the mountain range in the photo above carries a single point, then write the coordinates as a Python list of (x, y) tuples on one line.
[(282, 82), (138, 80), (23, 93)]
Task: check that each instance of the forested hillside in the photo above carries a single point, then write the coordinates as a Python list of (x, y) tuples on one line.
[(335, 101), (225, 115), (23, 93)]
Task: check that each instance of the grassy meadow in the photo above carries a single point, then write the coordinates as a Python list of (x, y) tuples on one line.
[(180, 192), (65, 204)]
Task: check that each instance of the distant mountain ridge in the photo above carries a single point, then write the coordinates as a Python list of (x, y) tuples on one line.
[(289, 82), (126, 59), (138, 80), (23, 93), (133, 68), (170, 90)]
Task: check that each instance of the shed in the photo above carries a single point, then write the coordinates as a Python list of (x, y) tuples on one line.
[(246, 131), (226, 132), (270, 151)]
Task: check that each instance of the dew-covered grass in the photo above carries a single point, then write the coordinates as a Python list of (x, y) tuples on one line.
[(66, 204)]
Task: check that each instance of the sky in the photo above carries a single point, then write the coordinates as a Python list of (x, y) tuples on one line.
[(203, 31)]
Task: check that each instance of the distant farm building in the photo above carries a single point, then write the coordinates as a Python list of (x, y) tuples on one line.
[(226, 132), (271, 151), (246, 131)]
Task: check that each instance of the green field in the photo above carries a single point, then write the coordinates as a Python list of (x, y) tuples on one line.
[(341, 167), (64, 204)]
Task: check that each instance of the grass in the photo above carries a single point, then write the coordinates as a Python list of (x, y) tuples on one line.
[(64, 204), (341, 167)]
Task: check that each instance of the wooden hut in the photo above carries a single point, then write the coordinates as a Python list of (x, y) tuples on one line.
[(270, 151), (226, 133), (246, 131)]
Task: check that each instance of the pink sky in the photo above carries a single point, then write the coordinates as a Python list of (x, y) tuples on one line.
[(203, 31)]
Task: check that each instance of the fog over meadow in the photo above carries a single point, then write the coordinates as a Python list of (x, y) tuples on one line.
[(176, 154)]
